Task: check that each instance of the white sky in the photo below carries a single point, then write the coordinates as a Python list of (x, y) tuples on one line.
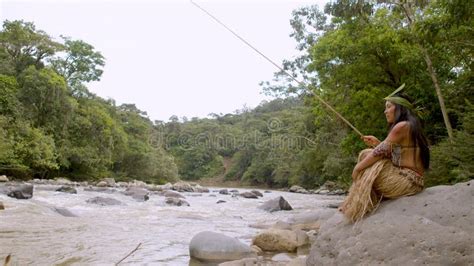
[(168, 57)]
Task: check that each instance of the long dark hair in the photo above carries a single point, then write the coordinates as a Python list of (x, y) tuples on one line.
[(416, 129)]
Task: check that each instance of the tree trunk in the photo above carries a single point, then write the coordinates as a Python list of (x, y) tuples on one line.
[(411, 20), (438, 93)]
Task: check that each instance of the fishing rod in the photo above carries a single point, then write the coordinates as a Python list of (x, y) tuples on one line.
[(278, 66)]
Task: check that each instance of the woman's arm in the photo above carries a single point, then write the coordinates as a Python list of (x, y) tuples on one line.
[(396, 135)]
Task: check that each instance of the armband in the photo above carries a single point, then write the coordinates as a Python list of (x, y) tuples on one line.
[(382, 150)]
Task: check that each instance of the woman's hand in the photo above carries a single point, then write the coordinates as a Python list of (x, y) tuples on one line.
[(370, 141)]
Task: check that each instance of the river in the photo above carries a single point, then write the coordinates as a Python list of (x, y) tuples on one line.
[(35, 234)]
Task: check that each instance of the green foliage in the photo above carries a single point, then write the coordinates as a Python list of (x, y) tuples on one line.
[(452, 161), (79, 64)]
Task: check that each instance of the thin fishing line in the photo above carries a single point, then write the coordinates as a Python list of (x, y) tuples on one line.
[(276, 65)]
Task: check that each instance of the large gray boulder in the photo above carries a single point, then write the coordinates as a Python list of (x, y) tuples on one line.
[(182, 187), (434, 227), (103, 201), (276, 204), (137, 193), (22, 191), (215, 247), (176, 202)]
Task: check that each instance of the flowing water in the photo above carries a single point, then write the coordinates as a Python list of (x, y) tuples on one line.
[(35, 234)]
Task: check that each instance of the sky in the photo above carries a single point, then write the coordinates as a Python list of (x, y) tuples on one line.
[(167, 56)]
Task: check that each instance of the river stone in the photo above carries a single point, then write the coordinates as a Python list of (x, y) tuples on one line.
[(137, 193), (183, 187), (433, 227), (248, 195), (280, 240), (173, 194), (258, 193), (101, 184), (2, 207), (215, 247), (224, 192), (67, 189), (244, 262), (64, 212), (176, 202), (23, 191), (276, 204), (104, 201), (4, 178), (101, 189), (200, 189), (221, 201)]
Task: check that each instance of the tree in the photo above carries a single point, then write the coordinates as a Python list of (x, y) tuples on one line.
[(25, 45), (80, 63)]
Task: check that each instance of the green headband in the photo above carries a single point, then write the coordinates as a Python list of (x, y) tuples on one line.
[(403, 102)]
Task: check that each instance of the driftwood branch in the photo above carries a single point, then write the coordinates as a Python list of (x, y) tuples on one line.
[(131, 252)]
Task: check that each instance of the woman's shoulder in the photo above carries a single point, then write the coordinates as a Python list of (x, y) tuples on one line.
[(402, 126), (399, 132)]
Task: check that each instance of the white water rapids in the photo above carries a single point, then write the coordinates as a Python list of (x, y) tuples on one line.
[(35, 234)]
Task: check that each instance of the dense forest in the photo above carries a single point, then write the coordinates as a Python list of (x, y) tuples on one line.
[(353, 53)]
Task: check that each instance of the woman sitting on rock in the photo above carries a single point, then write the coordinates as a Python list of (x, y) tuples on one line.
[(395, 167)]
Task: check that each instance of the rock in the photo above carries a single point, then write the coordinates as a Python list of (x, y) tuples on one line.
[(176, 202), (137, 193), (224, 192), (172, 194), (198, 188), (103, 201), (280, 240), (276, 204), (243, 262), (295, 188), (4, 178), (101, 184), (258, 193), (300, 261), (337, 192), (334, 205), (63, 181), (248, 195), (183, 187), (221, 201), (329, 185), (298, 189), (64, 212), (283, 257), (138, 183), (101, 189), (215, 247), (67, 189), (256, 249), (110, 182), (433, 227), (23, 191), (167, 186), (267, 191), (2, 207), (233, 191)]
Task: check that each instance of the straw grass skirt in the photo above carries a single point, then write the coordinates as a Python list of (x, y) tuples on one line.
[(380, 180)]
